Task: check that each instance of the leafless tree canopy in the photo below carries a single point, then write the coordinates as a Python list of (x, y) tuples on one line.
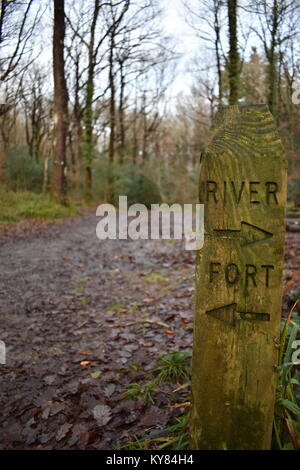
[(106, 103)]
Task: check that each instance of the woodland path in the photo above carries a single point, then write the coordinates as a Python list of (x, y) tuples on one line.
[(65, 301), (83, 319)]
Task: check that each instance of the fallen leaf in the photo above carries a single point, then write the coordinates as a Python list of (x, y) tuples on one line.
[(109, 390), (77, 431), (153, 416), (96, 374), (102, 414), (63, 431), (179, 405)]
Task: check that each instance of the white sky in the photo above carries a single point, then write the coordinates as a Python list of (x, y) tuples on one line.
[(185, 43)]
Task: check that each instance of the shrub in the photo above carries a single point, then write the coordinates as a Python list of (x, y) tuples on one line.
[(293, 189), (24, 174), (111, 180)]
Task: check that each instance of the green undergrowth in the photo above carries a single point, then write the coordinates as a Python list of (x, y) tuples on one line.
[(286, 430), (15, 206), (136, 390), (176, 367), (172, 367), (173, 437), (156, 277)]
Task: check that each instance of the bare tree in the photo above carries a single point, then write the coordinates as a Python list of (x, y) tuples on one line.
[(88, 113), (36, 110), (207, 19), (101, 26), (138, 48), (60, 103), (16, 30), (76, 68), (233, 56), (278, 22)]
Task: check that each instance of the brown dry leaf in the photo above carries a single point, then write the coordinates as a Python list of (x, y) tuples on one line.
[(63, 431), (109, 390), (179, 405), (154, 416), (84, 363), (292, 432), (77, 431), (182, 387), (102, 414)]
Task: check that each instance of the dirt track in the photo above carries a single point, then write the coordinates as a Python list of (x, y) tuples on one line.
[(66, 299)]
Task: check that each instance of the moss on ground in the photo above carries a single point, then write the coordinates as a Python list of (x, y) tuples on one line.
[(15, 206)]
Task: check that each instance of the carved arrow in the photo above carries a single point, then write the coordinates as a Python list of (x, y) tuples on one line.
[(247, 235), (228, 314)]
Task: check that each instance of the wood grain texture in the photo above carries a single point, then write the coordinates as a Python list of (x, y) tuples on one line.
[(243, 175)]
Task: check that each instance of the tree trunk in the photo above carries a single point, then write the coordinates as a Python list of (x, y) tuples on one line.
[(45, 174), (135, 138), (78, 153), (217, 49), (60, 104), (233, 59), (88, 147), (112, 111), (145, 129), (121, 114), (272, 73), (88, 141), (78, 112)]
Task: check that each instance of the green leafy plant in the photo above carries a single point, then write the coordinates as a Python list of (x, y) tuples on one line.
[(156, 277), (111, 180), (116, 308), (287, 411), (174, 437), (23, 172), (136, 367), (174, 366), (81, 281), (135, 391), (179, 437)]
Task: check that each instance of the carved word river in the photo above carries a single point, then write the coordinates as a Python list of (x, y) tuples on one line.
[(253, 192)]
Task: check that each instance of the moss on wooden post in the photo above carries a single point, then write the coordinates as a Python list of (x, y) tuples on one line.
[(238, 281)]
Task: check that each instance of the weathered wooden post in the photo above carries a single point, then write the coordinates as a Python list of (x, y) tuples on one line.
[(238, 281)]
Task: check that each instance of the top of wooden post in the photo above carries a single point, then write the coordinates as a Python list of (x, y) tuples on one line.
[(245, 129)]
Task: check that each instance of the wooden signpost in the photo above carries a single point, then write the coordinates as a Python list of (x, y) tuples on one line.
[(243, 176)]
